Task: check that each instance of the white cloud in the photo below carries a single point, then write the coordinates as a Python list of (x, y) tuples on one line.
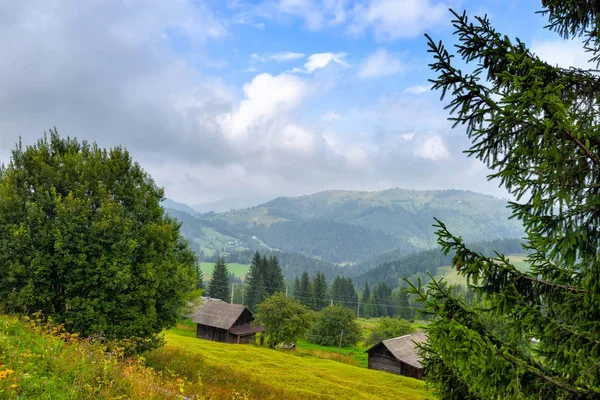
[(380, 63), (563, 53), (331, 116), (266, 97), (433, 148), (316, 14), (321, 60), (278, 57), (395, 19), (408, 136), (417, 89)]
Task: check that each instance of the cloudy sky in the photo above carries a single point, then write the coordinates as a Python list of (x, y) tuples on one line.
[(251, 98)]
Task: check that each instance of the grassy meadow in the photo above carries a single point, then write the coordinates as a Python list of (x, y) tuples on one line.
[(263, 373), (239, 270), (451, 276)]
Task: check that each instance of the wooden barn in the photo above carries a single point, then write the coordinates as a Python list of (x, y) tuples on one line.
[(398, 355), (223, 322)]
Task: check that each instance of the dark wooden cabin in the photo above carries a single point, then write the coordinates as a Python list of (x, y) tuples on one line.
[(223, 322), (398, 355)]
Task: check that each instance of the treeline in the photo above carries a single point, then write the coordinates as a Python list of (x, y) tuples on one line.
[(325, 239), (290, 263), (381, 301), (418, 265)]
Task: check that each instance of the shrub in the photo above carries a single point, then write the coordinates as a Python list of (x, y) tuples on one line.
[(329, 324), (389, 328)]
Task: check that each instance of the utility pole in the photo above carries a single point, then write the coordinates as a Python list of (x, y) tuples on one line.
[(341, 336), (232, 291)]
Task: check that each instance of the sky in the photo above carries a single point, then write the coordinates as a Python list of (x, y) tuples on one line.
[(253, 98)]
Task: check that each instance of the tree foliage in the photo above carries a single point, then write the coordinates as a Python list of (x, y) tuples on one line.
[(285, 320), (388, 328), (536, 127), (218, 287), (83, 239), (329, 324)]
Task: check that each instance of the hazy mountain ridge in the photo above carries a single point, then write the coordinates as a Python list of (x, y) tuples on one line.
[(349, 226)]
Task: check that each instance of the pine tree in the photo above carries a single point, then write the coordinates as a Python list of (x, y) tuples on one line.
[(276, 282), (199, 277), (536, 126), (365, 306), (297, 291), (219, 287), (320, 292), (256, 291), (306, 290)]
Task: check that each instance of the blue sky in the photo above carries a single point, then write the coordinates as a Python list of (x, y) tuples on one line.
[(252, 98)]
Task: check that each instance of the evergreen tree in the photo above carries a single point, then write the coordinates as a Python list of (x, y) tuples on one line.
[(199, 277), (256, 291), (297, 291), (402, 300), (306, 290), (536, 126), (383, 302), (344, 293), (275, 281), (320, 292), (219, 287), (365, 304)]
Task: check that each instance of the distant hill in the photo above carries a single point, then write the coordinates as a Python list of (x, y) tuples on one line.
[(346, 227), (227, 204), (174, 205)]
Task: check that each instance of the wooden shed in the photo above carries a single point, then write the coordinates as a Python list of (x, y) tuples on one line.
[(398, 355), (223, 322)]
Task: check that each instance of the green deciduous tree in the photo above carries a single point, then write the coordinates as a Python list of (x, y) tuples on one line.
[(84, 239), (285, 320), (219, 287), (329, 324), (536, 126), (388, 328)]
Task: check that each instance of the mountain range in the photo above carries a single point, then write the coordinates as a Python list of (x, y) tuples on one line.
[(347, 227)]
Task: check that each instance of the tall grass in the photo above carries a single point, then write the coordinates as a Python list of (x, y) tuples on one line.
[(44, 362)]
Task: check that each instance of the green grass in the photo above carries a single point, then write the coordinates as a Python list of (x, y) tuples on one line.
[(275, 374), (239, 270), (44, 362), (355, 353), (451, 276)]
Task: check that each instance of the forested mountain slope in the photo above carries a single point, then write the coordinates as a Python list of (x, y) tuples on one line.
[(349, 226)]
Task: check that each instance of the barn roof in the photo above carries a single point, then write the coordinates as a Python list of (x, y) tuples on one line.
[(403, 348), (218, 313)]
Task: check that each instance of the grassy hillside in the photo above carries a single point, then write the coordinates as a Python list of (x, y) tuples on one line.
[(347, 226), (47, 363), (238, 270), (272, 374), (451, 276)]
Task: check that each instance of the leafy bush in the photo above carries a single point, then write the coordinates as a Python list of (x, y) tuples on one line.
[(389, 328), (284, 320), (329, 324)]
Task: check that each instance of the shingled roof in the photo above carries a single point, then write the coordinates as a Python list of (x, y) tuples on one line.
[(218, 313), (404, 349)]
